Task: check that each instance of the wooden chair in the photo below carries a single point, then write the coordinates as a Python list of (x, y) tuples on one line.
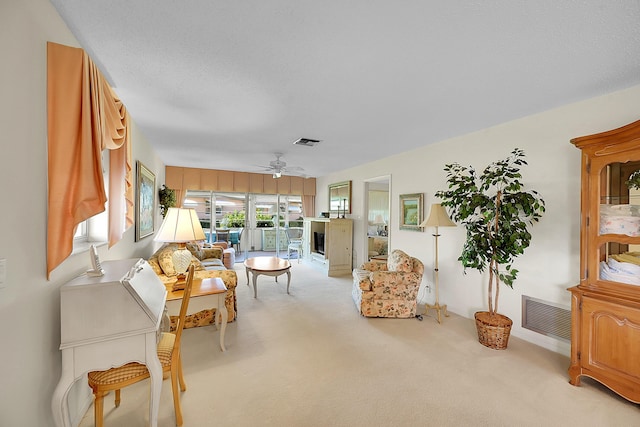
[(101, 382), (222, 236)]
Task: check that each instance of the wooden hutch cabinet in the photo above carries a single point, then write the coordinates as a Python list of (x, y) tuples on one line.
[(605, 306)]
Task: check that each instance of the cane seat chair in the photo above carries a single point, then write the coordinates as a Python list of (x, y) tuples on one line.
[(101, 382)]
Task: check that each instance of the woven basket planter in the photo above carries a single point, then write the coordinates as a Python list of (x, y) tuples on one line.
[(493, 330)]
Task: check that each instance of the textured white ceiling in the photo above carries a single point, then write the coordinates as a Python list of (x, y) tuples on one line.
[(225, 84)]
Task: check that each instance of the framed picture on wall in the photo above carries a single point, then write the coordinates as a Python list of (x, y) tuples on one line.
[(145, 201), (411, 211)]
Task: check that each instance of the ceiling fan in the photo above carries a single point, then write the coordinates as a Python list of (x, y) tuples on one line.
[(279, 167)]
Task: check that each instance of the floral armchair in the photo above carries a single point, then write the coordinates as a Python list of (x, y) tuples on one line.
[(388, 290)]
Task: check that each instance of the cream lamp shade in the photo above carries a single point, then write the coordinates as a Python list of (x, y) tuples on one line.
[(379, 220), (438, 217), (180, 226)]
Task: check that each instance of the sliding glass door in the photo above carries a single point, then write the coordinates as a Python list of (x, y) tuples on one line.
[(220, 214), (255, 223)]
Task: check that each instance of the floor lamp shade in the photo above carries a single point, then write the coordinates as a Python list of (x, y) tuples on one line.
[(437, 218), (180, 226)]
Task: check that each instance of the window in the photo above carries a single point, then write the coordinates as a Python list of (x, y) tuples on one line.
[(95, 229), (81, 232)]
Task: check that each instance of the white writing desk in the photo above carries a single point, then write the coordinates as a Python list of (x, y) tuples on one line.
[(106, 322)]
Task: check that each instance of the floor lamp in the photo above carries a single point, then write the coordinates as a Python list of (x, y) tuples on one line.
[(437, 218)]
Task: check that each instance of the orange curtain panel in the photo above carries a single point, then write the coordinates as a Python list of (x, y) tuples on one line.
[(84, 117)]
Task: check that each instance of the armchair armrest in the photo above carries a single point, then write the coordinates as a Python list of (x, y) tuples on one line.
[(223, 245), (374, 266), (362, 278), (214, 252)]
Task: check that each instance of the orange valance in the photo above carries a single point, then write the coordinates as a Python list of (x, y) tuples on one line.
[(84, 117)]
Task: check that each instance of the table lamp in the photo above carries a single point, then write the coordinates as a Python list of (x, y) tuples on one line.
[(180, 226), (437, 218), (379, 222)]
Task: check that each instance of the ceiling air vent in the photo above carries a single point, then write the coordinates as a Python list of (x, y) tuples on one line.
[(306, 142)]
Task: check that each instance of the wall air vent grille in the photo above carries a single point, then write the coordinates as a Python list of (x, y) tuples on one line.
[(546, 318), (306, 142)]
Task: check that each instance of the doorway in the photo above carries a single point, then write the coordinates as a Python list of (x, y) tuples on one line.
[(378, 209)]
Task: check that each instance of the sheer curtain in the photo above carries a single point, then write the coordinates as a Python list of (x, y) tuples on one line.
[(378, 205)]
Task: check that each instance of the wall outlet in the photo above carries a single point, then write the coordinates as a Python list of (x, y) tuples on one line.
[(3, 272)]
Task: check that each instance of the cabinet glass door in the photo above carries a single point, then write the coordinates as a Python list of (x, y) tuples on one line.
[(619, 224)]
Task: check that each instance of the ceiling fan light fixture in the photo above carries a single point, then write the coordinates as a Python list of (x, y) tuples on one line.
[(307, 142), (277, 174)]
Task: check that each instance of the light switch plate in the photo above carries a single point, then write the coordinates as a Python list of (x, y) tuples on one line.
[(3, 272)]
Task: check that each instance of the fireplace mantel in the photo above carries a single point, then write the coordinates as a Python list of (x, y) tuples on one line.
[(336, 253)]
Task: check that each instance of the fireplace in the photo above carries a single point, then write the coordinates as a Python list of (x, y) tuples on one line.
[(318, 242)]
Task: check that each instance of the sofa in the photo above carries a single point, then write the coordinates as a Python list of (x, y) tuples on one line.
[(388, 289), (207, 263), (228, 254), (377, 246)]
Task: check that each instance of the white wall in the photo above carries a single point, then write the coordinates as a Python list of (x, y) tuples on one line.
[(30, 304), (550, 265)]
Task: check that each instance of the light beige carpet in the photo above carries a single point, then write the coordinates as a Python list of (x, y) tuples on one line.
[(309, 359)]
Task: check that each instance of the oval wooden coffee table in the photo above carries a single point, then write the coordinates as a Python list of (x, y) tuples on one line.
[(268, 266)]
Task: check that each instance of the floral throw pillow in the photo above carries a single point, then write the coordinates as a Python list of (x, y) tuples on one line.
[(399, 261), (165, 259), (153, 262), (196, 250)]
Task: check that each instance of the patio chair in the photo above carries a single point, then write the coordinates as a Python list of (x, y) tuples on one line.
[(222, 236), (294, 236)]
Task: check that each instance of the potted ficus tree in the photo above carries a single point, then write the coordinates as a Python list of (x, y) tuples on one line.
[(634, 180), (166, 199), (496, 212)]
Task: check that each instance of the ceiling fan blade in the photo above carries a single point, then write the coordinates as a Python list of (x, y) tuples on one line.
[(295, 172), (280, 166)]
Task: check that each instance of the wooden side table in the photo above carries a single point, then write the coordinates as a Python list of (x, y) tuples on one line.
[(205, 293)]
